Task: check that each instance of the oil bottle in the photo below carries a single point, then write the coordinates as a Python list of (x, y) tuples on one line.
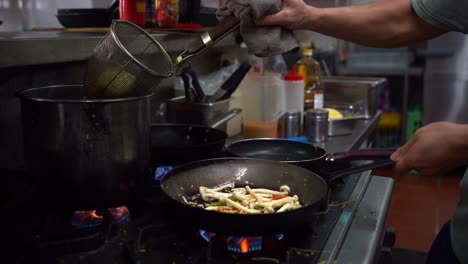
[(309, 68)]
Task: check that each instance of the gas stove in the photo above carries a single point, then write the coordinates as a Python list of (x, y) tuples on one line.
[(148, 232)]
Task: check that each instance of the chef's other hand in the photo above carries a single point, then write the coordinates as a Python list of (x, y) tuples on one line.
[(435, 149), (293, 15)]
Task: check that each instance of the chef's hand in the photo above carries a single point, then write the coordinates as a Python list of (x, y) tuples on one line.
[(435, 149), (294, 14)]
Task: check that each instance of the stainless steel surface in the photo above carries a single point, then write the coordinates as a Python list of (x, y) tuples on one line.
[(290, 125), (86, 154), (127, 62), (45, 47), (316, 125), (342, 126), (363, 240), (362, 131), (381, 71), (446, 81), (224, 118), (337, 237), (358, 92), (178, 110)]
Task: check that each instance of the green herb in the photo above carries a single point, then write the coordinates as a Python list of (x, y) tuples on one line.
[(216, 204), (258, 207), (234, 199)]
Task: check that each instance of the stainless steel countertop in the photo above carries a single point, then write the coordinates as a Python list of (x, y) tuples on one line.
[(44, 47), (362, 130), (362, 242), (356, 236)]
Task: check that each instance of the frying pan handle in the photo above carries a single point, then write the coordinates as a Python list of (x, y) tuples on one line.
[(374, 165), (362, 154), (226, 117)]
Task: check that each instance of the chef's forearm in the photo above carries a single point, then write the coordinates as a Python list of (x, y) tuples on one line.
[(389, 23)]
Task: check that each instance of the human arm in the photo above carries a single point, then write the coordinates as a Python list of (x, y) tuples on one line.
[(388, 23), (434, 149)]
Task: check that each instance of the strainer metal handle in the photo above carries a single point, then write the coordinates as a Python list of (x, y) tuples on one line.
[(209, 38)]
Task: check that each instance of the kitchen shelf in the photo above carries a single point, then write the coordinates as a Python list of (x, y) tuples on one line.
[(59, 46), (411, 71), (405, 73)]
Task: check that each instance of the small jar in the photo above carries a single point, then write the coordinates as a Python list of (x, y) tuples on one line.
[(289, 125), (316, 125)]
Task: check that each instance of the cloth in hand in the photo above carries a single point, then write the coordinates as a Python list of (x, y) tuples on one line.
[(263, 41)]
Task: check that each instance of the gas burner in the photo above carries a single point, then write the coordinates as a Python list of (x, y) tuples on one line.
[(243, 245), (120, 214), (94, 218), (161, 171), (86, 219)]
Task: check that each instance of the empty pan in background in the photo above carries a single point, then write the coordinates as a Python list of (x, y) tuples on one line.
[(88, 17), (83, 20), (181, 143), (302, 154)]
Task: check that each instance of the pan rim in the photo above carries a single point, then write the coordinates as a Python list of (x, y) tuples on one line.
[(245, 141), (184, 166)]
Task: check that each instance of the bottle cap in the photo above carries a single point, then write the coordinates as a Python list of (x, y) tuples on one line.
[(293, 76), (308, 52)]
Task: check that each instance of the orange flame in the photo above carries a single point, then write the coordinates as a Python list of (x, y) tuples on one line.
[(89, 216), (244, 246), (118, 212)]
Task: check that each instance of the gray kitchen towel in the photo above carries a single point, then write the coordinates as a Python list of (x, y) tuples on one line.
[(263, 41)]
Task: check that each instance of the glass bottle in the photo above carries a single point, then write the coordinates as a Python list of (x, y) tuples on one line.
[(309, 68)]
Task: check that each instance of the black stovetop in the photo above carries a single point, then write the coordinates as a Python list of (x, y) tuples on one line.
[(150, 234)]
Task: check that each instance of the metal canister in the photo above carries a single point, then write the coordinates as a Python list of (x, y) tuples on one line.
[(316, 125), (289, 125)]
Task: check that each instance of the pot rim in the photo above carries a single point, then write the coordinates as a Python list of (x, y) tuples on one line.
[(23, 94)]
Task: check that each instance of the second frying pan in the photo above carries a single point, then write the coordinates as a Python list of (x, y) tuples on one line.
[(302, 154), (180, 143)]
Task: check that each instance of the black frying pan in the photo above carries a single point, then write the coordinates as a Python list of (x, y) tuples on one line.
[(181, 143), (302, 154), (310, 187), (88, 17)]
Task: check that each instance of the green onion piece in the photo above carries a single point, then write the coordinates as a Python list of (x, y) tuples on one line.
[(258, 207), (234, 199), (216, 204)]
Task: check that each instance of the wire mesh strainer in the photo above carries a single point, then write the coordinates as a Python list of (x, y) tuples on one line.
[(129, 62)]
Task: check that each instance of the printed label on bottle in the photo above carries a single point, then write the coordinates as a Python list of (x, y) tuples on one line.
[(318, 100)]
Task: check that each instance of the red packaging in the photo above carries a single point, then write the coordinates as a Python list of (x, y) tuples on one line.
[(167, 13), (126, 10), (139, 12)]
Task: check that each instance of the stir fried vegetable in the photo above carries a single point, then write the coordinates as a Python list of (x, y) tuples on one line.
[(245, 200)]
